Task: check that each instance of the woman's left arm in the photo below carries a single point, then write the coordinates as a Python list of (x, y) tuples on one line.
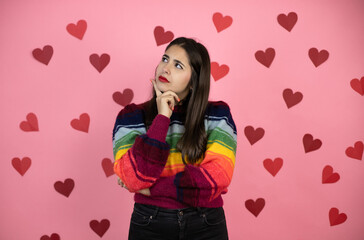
[(199, 185)]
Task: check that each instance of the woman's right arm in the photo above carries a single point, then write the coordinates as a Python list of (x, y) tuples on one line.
[(140, 156)]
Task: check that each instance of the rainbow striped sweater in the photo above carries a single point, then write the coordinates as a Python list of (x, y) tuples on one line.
[(149, 159)]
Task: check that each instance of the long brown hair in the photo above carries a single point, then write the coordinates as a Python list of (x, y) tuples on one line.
[(194, 140)]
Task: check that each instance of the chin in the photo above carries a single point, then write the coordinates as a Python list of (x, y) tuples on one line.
[(162, 87)]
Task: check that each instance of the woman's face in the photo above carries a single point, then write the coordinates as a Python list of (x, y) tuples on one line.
[(174, 72)]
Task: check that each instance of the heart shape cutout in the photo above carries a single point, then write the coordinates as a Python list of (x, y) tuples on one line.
[(291, 98), (54, 236), (287, 21), (358, 86), (273, 167), (355, 152), (78, 30), (100, 228), (65, 188), (221, 22), (124, 98), (31, 124), (265, 57), (162, 37), (82, 124), (328, 175), (100, 62), (255, 207), (218, 71), (335, 217), (21, 166), (43, 55), (310, 144), (253, 135), (108, 167), (317, 57)]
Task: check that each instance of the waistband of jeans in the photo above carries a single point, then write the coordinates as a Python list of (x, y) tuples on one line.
[(167, 210)]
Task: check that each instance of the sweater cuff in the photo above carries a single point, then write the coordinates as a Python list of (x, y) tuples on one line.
[(159, 128), (163, 187)]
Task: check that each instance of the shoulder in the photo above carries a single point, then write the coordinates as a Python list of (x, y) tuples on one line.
[(130, 108), (131, 113), (218, 108), (218, 113)]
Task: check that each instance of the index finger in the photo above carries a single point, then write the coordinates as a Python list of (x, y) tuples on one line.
[(157, 91)]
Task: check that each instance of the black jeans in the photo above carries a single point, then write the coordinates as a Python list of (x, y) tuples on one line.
[(155, 223)]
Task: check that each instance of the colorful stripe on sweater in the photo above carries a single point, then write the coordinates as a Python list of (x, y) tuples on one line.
[(150, 159)]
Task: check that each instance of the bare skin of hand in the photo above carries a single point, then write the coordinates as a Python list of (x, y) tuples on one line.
[(165, 101), (144, 191)]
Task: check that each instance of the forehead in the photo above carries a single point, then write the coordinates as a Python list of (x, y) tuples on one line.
[(178, 53)]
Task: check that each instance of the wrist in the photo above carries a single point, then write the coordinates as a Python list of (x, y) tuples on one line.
[(165, 114)]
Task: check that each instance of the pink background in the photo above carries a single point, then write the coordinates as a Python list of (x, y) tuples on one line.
[(297, 203)]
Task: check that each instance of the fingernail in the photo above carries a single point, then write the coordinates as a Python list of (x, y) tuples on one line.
[(179, 100)]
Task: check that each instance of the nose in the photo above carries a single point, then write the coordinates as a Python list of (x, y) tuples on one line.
[(166, 69)]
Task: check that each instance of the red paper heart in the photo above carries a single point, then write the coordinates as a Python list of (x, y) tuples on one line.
[(253, 135), (108, 167), (99, 62), (31, 124), (221, 22), (124, 98), (218, 71), (287, 21), (54, 236), (255, 207), (310, 144), (335, 217), (21, 166), (357, 85), (328, 175), (291, 98), (273, 167), (45, 55), (317, 57), (65, 188), (100, 228), (356, 151), (162, 37), (265, 58), (82, 124), (78, 30)]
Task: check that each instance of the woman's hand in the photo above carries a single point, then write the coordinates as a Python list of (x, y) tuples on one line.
[(122, 184), (144, 191), (165, 101)]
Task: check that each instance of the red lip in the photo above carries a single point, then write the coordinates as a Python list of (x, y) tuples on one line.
[(163, 79)]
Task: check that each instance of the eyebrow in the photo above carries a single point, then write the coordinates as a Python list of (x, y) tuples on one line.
[(177, 61)]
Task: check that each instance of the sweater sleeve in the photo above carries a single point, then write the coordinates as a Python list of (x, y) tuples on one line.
[(139, 156), (199, 185)]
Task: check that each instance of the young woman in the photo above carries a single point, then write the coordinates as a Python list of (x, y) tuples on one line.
[(176, 152)]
